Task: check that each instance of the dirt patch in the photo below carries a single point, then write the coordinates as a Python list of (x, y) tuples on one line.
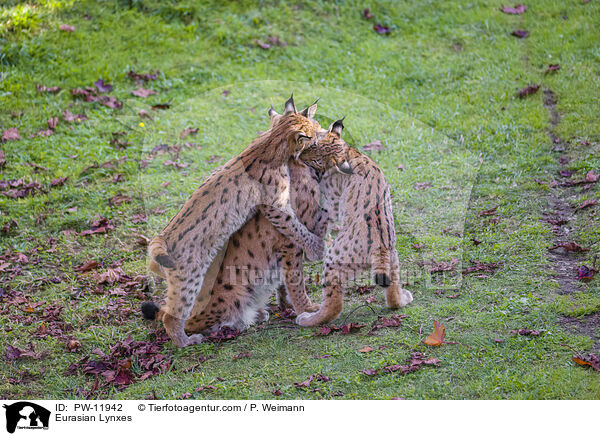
[(588, 325), (561, 216)]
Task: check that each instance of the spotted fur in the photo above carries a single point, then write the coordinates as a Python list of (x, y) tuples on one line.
[(362, 204), (259, 259), (190, 249)]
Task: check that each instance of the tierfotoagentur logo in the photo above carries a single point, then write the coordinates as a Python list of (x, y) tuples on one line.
[(26, 416)]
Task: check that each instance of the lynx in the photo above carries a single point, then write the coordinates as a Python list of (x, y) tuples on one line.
[(190, 250)]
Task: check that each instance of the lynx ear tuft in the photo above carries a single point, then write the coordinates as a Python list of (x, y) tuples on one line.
[(337, 126), (310, 111), (272, 111), (289, 107)]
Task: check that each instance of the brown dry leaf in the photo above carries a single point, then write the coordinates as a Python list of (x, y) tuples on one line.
[(50, 90), (528, 90), (570, 246), (11, 134), (516, 10), (586, 203), (488, 212), (592, 360), (437, 337), (365, 349), (143, 93), (87, 266), (143, 113), (188, 131)]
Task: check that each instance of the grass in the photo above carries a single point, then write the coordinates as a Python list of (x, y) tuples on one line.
[(438, 91)]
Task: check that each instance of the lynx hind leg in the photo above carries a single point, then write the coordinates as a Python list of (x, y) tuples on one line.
[(175, 329), (395, 295), (334, 281), (295, 287)]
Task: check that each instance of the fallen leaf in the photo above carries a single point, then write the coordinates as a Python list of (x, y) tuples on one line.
[(205, 388), (365, 349), (526, 332), (275, 41), (102, 86), (73, 345), (58, 182), (242, 355), (50, 90), (161, 106), (276, 392), (87, 266), (70, 117), (14, 353), (67, 28), (143, 93), (590, 177), (488, 212), (443, 266), (381, 29), (437, 337), (188, 131), (516, 10), (367, 15), (520, 33), (143, 77), (373, 146), (585, 273), (110, 101), (565, 173), (552, 68), (261, 44), (592, 360), (101, 225), (528, 90), (11, 134), (353, 327), (570, 246), (586, 203), (489, 267), (118, 200), (224, 334)]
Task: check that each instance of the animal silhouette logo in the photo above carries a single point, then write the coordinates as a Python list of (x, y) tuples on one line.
[(26, 415)]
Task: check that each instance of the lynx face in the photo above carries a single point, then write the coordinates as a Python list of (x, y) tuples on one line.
[(330, 150)]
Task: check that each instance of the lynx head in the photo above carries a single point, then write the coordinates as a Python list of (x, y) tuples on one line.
[(330, 150), (300, 128)]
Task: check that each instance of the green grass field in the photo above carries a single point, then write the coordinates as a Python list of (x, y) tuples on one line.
[(439, 91)]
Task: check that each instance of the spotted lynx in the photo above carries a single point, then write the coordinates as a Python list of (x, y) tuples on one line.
[(362, 203), (190, 249), (250, 271)]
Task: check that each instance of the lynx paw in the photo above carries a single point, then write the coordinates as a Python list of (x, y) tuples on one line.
[(194, 339), (315, 251), (305, 319), (262, 316), (405, 297)]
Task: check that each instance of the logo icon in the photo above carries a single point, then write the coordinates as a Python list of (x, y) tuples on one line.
[(26, 415)]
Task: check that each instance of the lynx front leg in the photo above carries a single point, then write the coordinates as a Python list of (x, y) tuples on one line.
[(288, 224), (294, 281)]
